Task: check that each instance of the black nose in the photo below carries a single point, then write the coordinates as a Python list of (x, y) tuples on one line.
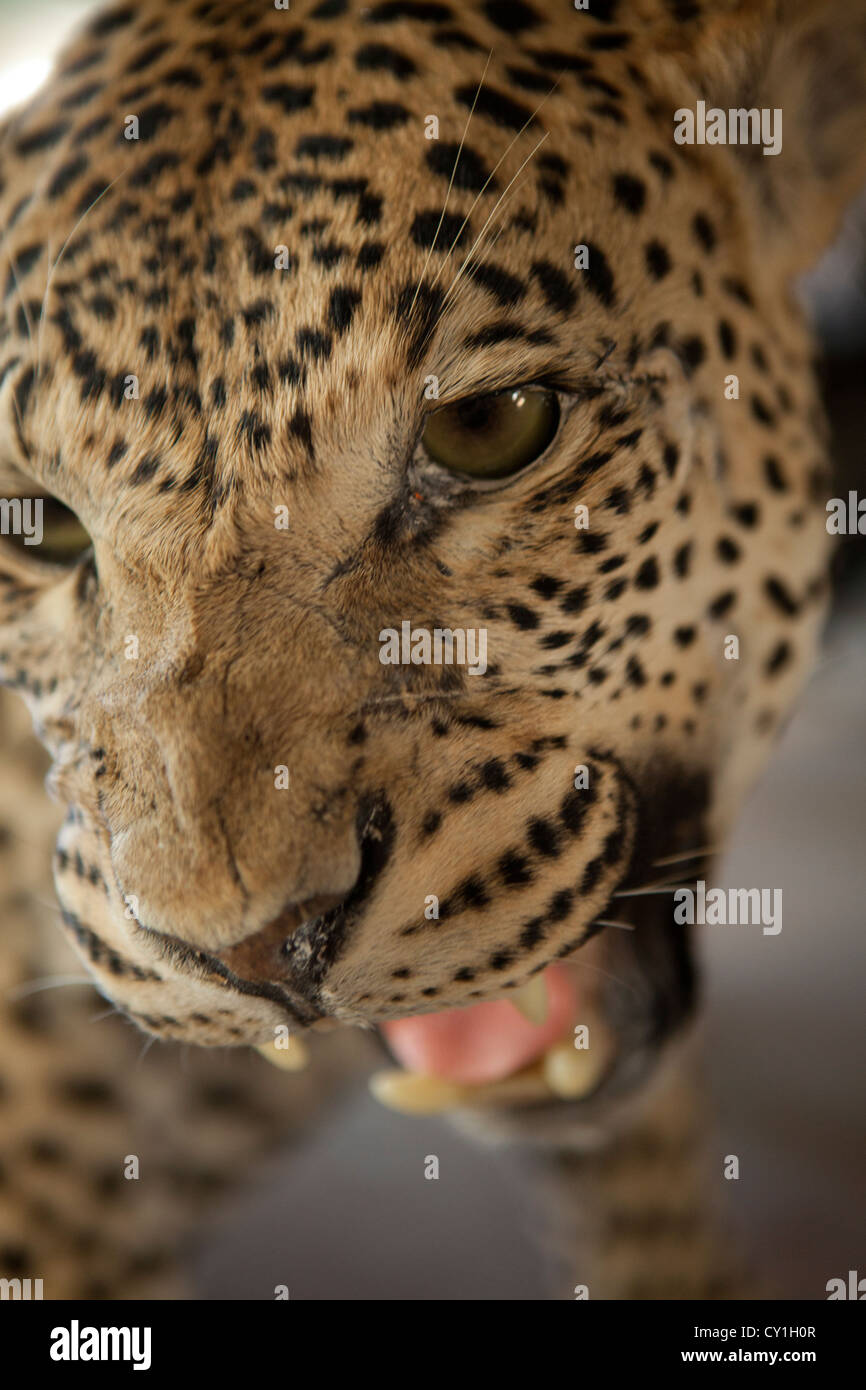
[(264, 955), (297, 949)]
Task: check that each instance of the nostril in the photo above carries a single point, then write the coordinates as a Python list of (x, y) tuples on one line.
[(263, 954)]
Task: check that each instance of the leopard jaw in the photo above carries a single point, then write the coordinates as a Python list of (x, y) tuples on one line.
[(562, 1073)]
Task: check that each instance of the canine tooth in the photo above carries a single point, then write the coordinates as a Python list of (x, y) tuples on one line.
[(572, 1072), (292, 1058), (531, 1000), (411, 1094)]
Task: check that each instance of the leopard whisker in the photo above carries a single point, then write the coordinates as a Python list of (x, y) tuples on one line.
[(479, 195), (468, 259), (48, 982), (450, 186), (687, 854), (649, 890), (60, 256)]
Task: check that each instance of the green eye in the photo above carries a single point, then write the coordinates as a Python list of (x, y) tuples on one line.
[(493, 436), (43, 529)]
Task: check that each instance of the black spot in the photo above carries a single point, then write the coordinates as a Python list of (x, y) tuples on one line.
[(556, 287), (342, 306), (662, 165), (152, 119), (379, 115), (470, 171), (629, 192), (682, 560), (647, 576), (260, 258), (88, 1092), (704, 231), (530, 79), (727, 338), (723, 604), (369, 255), (146, 57), (546, 586), (692, 352), (264, 150), (66, 176), (41, 139), (778, 659), (423, 10), (761, 411), (781, 596), (252, 427), (511, 15), (313, 345), (543, 837), (500, 108), (506, 288), (327, 253), (737, 290), (288, 97), (522, 616), (418, 309), (591, 875), (609, 42), (323, 146), (110, 22), (575, 600), (657, 259), (727, 550), (599, 276), (379, 57), (300, 427), (452, 231), (774, 475)]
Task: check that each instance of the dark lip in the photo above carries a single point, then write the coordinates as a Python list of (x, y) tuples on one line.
[(313, 948)]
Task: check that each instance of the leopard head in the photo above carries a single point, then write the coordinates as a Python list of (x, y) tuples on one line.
[(433, 479)]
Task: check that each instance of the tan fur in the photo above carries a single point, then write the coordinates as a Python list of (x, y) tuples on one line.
[(258, 648)]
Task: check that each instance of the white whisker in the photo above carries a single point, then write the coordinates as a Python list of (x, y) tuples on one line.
[(450, 186), (687, 854), (87, 210), (49, 982)]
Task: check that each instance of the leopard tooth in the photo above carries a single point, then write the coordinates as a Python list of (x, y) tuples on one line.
[(572, 1072), (531, 1000), (293, 1056), (411, 1094)]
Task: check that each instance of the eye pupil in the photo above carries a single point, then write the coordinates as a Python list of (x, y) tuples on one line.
[(493, 435)]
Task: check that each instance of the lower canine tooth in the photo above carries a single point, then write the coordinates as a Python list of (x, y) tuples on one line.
[(572, 1072), (293, 1057), (531, 1000), (415, 1095)]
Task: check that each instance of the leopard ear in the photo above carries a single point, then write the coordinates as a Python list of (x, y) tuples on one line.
[(804, 59)]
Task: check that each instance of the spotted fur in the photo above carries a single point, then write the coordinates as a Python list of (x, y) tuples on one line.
[(208, 904)]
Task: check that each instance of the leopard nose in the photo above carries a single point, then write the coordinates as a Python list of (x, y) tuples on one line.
[(264, 955)]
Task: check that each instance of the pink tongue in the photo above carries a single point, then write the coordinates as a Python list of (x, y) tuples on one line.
[(485, 1042)]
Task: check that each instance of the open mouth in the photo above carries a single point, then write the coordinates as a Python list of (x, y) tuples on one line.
[(540, 1043), (575, 1031)]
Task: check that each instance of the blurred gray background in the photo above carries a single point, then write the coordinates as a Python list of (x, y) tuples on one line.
[(349, 1215)]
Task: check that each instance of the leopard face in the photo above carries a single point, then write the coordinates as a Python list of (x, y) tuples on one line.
[(223, 343)]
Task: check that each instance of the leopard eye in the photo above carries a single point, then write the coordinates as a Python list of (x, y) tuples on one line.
[(42, 528), (493, 436)]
